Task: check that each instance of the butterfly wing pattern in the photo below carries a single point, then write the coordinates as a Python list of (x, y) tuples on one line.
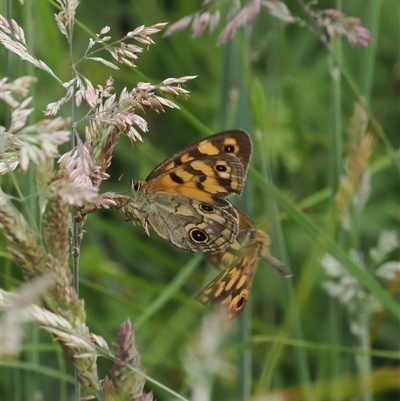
[(238, 261), (184, 199)]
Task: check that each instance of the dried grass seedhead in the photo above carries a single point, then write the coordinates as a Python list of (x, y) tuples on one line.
[(333, 22), (243, 17), (112, 119), (349, 205), (57, 220), (16, 313), (23, 243), (12, 92), (22, 144), (76, 341), (12, 36), (83, 169), (10, 151), (360, 149), (360, 304), (70, 187), (126, 380), (76, 178), (66, 17)]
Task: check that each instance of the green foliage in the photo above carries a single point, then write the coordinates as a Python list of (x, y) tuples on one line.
[(296, 98)]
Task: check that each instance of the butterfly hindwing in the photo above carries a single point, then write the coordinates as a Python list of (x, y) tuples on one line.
[(231, 288), (193, 225)]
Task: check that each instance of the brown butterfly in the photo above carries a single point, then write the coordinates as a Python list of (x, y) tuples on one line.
[(184, 198), (231, 288)]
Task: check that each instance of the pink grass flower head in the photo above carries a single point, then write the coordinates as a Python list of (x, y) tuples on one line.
[(337, 23), (244, 17), (278, 10)]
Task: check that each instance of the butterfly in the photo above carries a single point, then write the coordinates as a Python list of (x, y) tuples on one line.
[(231, 288), (184, 198)]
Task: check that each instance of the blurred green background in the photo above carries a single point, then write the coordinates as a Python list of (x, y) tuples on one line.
[(274, 81)]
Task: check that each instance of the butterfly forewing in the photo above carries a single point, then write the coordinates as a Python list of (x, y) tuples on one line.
[(235, 142), (204, 179)]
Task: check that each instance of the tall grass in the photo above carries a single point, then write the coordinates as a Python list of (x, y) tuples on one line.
[(323, 182)]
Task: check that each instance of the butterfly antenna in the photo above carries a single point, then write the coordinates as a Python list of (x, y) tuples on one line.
[(278, 265)]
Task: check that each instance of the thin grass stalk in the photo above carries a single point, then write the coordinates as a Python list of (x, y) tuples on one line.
[(6, 55), (372, 21), (363, 362), (229, 65), (243, 384), (226, 116), (336, 140), (62, 367), (335, 169), (243, 120), (237, 55), (29, 179), (42, 370), (234, 66), (17, 377), (76, 226), (333, 360), (31, 379)]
